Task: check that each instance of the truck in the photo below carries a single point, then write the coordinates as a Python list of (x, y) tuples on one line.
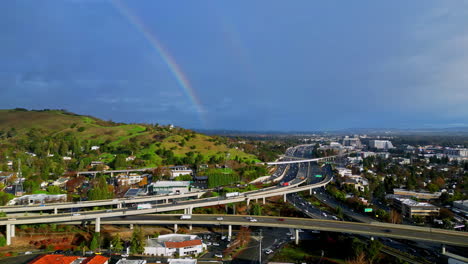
[(144, 206), (185, 217), (285, 184), (232, 194)]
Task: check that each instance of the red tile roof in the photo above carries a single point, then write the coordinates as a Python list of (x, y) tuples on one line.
[(188, 243), (98, 259), (54, 259)]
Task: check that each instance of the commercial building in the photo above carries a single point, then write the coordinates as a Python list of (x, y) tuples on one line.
[(169, 187), (459, 152), (410, 208), (352, 142), (62, 259), (170, 245), (380, 144), (420, 195)]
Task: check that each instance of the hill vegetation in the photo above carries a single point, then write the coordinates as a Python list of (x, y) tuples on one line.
[(50, 143)]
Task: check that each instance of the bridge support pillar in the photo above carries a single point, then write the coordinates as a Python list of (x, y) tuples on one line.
[(297, 237), (8, 234), (97, 225), (263, 200), (12, 230), (55, 210), (284, 198), (131, 226), (310, 191), (190, 227), (248, 202), (443, 249), (119, 206), (176, 227), (112, 175), (229, 231), (167, 200)]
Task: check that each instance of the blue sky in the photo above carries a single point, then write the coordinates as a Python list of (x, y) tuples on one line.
[(249, 65)]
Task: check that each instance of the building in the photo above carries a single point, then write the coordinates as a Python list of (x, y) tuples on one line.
[(352, 142), (358, 182), (131, 261), (170, 187), (458, 152), (170, 245), (182, 261), (420, 195), (180, 170), (38, 199), (381, 144), (61, 182), (61, 259), (129, 179), (410, 208)]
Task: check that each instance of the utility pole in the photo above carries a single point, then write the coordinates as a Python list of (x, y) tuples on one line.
[(260, 249)]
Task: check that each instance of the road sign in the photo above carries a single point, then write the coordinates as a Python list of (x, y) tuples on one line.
[(367, 210), (318, 176)]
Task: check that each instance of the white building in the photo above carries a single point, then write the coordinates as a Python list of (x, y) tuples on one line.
[(381, 144), (169, 245), (129, 179), (166, 187), (180, 170), (38, 199), (458, 152)]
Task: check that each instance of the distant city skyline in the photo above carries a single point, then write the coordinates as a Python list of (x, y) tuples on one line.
[(258, 66)]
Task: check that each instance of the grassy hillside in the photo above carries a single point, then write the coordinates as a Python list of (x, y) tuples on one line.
[(47, 131)]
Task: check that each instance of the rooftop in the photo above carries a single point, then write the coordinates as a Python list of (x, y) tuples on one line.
[(171, 184)]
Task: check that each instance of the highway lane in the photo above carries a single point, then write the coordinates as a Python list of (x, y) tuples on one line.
[(372, 229)]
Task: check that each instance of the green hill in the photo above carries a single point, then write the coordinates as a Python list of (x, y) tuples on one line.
[(53, 134)]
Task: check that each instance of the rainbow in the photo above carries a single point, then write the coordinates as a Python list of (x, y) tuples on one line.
[(172, 65)]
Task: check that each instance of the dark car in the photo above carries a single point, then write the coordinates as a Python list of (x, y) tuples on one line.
[(280, 219)]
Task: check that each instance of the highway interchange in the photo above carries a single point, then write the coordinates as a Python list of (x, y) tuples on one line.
[(296, 174)]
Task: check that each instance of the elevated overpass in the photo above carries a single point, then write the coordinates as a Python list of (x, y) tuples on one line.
[(378, 229)]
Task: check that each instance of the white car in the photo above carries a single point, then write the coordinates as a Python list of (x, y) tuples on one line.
[(223, 237), (253, 220), (220, 218), (215, 244), (219, 255), (208, 243), (76, 214), (28, 253), (268, 251)]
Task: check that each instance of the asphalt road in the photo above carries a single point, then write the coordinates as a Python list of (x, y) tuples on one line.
[(374, 229)]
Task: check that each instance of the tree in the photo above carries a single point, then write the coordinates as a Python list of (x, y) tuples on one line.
[(137, 241), (117, 243), (95, 242), (256, 209), (119, 162), (373, 249), (2, 241)]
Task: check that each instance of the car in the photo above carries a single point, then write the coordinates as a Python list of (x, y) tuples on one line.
[(268, 251), (58, 252), (215, 244), (223, 237), (387, 230), (253, 220), (219, 255), (248, 217), (280, 219), (125, 255), (288, 233), (324, 214), (75, 214), (208, 243), (108, 210), (28, 253), (220, 218)]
